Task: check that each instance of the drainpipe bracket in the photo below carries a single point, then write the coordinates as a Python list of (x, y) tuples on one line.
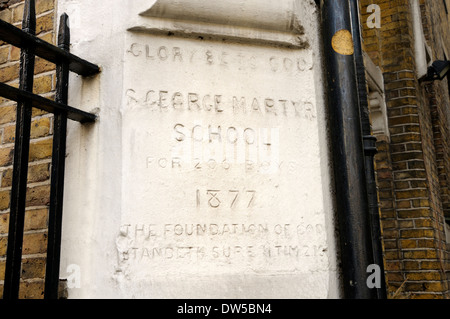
[(370, 145)]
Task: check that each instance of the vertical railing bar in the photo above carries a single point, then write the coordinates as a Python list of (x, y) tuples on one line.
[(20, 166), (58, 166)]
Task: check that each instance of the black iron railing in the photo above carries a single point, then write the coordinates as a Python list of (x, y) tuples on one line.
[(65, 62)]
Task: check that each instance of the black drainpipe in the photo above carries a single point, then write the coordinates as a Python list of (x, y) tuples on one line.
[(347, 150), (370, 149)]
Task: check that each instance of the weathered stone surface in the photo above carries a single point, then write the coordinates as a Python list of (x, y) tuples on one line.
[(214, 178)]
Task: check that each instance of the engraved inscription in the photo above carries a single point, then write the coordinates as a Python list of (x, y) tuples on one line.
[(230, 242), (224, 165), (214, 147), (165, 101), (227, 177), (228, 199), (240, 60)]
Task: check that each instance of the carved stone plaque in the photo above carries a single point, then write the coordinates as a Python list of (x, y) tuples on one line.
[(224, 174)]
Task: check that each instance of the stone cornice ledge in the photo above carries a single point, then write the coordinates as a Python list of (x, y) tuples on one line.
[(247, 21)]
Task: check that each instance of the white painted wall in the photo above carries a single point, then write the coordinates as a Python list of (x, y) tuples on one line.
[(138, 184)]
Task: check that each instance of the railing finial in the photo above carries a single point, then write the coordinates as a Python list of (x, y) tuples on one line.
[(64, 32), (29, 17)]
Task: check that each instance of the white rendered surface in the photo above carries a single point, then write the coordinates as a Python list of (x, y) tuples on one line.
[(207, 173)]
